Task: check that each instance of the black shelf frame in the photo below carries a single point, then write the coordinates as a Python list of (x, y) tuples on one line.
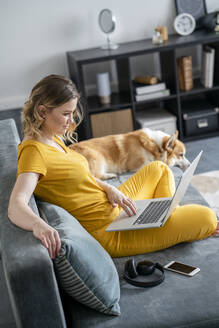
[(198, 88), (156, 99), (119, 100), (125, 98)]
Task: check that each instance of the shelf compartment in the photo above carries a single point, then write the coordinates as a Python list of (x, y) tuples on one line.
[(118, 101), (107, 123), (199, 117)]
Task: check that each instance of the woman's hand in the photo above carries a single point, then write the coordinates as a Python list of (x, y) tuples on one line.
[(48, 236), (116, 197)]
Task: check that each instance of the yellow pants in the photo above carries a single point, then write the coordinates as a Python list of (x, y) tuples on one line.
[(186, 223)]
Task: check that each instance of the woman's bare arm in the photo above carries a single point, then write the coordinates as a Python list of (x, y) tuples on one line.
[(18, 211), (22, 215)]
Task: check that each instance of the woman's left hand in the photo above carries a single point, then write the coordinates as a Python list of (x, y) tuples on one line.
[(116, 197)]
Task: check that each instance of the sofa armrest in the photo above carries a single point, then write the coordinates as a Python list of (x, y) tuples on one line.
[(28, 269), (30, 279)]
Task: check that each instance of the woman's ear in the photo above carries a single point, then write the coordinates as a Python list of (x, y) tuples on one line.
[(42, 111)]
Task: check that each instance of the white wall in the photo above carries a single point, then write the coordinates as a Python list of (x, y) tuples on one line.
[(35, 35)]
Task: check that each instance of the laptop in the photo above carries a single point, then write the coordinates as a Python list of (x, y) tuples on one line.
[(153, 213)]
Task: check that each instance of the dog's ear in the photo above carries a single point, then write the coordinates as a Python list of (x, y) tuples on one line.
[(169, 142)]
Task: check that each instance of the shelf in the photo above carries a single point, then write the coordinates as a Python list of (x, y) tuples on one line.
[(118, 101), (155, 99), (140, 47), (125, 99), (198, 88)]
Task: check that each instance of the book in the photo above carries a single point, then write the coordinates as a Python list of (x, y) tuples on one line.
[(146, 79), (152, 95), (204, 67), (142, 89), (207, 67), (184, 68), (211, 68)]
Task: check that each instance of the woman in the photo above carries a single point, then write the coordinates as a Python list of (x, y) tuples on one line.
[(61, 176)]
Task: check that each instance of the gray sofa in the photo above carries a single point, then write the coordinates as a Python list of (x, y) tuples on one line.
[(27, 275)]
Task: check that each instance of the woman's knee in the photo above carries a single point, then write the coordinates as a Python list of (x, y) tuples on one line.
[(195, 221), (208, 218), (156, 168), (153, 169), (166, 184), (157, 165)]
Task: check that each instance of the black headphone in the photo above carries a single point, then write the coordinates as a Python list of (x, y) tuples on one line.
[(143, 268)]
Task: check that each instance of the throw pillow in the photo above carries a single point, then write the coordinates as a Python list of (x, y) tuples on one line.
[(84, 269)]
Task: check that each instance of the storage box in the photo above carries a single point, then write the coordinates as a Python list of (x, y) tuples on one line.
[(157, 119), (103, 124), (199, 117)]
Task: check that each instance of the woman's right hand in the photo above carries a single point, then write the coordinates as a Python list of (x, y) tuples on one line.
[(48, 236)]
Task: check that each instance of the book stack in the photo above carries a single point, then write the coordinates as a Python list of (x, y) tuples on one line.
[(184, 67), (207, 67), (147, 91)]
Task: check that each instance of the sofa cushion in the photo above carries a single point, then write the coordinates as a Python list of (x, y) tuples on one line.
[(84, 269)]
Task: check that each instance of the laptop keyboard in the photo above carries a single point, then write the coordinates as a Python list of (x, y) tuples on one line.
[(153, 212)]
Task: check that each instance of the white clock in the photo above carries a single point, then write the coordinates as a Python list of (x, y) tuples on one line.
[(184, 24)]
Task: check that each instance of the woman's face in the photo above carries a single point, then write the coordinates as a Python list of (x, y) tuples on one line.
[(58, 120)]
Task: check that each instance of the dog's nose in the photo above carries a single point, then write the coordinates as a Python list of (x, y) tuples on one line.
[(185, 165)]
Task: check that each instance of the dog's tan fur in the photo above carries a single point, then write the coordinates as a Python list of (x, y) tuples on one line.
[(110, 155)]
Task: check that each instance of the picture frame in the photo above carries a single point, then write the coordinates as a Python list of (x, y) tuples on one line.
[(196, 8)]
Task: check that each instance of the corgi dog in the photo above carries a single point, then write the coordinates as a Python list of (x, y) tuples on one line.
[(114, 154)]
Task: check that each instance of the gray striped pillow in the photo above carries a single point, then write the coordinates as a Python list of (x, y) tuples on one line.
[(84, 269), (72, 283)]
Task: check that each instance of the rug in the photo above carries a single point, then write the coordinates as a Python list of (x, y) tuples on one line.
[(208, 185)]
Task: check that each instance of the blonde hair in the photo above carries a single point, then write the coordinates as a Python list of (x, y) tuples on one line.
[(52, 91)]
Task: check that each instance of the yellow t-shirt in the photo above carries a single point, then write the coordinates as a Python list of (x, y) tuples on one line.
[(65, 180)]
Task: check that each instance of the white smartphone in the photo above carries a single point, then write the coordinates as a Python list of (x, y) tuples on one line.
[(182, 268)]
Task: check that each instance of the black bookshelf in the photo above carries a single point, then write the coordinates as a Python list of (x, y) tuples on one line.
[(167, 51)]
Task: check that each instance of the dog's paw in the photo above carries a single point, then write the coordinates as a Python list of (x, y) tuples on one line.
[(106, 176)]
